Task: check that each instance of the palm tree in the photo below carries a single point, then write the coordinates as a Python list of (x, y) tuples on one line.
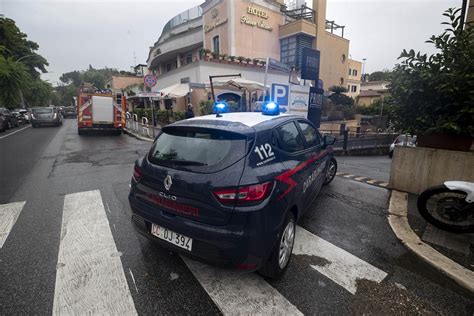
[(14, 77), (339, 98)]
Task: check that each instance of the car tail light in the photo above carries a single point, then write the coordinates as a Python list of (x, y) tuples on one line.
[(247, 194), (33, 116), (55, 115), (137, 173)]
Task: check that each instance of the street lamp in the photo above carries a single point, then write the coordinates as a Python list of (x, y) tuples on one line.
[(363, 68)]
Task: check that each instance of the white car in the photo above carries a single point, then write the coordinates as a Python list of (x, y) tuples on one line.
[(402, 140)]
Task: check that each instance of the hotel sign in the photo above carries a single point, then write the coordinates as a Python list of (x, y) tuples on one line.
[(262, 24), (216, 22)]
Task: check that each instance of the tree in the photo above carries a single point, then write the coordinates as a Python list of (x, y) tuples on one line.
[(436, 93), (17, 46), (339, 98), (39, 93), (14, 78), (380, 75), (73, 77)]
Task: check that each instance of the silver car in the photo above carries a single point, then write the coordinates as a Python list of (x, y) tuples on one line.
[(46, 116), (402, 140)]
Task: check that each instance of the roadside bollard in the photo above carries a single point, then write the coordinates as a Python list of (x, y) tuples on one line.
[(145, 126)]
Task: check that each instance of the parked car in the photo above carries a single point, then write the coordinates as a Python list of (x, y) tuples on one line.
[(25, 113), (46, 116), (7, 120), (19, 117), (69, 111), (402, 140), (229, 190)]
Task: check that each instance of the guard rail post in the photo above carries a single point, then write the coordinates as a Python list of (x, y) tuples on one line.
[(344, 142)]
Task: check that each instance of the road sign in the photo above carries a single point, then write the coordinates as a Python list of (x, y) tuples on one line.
[(280, 93), (150, 81), (310, 64), (275, 64)]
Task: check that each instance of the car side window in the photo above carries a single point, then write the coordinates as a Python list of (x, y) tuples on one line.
[(310, 134), (289, 138)]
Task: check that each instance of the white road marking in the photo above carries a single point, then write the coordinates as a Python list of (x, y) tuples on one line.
[(8, 215), (89, 279), (10, 134), (343, 267), (240, 294), (133, 279)]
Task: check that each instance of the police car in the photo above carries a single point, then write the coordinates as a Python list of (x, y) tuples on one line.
[(228, 189)]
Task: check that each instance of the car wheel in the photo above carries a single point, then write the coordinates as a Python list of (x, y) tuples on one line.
[(2, 127), (390, 154), (281, 254), (330, 171), (9, 125)]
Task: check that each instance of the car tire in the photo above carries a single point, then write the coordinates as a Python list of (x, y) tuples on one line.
[(390, 154), (2, 128), (280, 256), (330, 171), (9, 125)]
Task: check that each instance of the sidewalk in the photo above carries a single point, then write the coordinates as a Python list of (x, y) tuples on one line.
[(451, 254)]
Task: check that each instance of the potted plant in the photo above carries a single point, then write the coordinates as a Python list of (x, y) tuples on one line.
[(256, 61), (263, 63), (241, 59), (432, 95), (232, 58), (248, 60), (202, 53), (215, 55), (223, 56)]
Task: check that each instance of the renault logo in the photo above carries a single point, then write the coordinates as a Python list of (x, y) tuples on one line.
[(168, 182)]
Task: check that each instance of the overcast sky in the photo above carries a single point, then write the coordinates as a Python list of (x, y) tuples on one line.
[(73, 34)]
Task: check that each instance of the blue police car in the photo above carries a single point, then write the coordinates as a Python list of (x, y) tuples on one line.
[(228, 189)]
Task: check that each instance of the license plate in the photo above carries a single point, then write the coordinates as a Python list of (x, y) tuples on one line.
[(172, 237)]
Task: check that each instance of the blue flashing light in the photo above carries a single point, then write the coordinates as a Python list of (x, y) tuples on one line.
[(270, 108), (220, 107)]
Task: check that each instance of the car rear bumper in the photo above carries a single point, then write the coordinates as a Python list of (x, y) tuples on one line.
[(45, 122), (227, 246)]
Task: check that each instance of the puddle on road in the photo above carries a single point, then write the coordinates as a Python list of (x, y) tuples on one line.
[(374, 298), (306, 260)]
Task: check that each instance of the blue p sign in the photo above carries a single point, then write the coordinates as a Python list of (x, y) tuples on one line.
[(280, 93)]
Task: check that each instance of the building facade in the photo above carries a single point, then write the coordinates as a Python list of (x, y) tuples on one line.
[(354, 77), (222, 37)]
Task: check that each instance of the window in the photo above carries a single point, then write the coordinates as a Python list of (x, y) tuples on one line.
[(350, 71), (215, 44), (341, 81), (189, 58), (348, 87), (354, 89), (354, 72), (310, 134), (343, 58), (288, 138), (288, 48), (197, 149)]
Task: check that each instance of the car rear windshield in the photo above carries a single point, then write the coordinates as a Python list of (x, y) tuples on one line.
[(43, 111), (197, 149)]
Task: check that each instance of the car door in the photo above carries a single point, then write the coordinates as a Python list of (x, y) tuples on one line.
[(318, 157), (289, 145)]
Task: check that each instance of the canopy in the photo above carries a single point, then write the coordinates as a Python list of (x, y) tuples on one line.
[(239, 83), (176, 91)]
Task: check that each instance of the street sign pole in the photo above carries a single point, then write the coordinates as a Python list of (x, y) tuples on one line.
[(265, 80)]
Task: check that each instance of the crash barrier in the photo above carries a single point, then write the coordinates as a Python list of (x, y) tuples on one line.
[(347, 140), (142, 127)]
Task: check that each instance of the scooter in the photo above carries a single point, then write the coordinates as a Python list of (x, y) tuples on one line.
[(449, 206)]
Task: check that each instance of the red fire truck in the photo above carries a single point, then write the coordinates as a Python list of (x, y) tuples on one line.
[(100, 110)]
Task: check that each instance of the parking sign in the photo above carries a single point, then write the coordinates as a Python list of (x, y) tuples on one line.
[(280, 94)]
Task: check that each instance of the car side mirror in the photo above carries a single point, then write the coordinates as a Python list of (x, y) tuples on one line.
[(329, 140)]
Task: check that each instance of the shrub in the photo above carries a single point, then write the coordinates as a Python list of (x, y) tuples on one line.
[(241, 58), (215, 55), (163, 117), (434, 94), (178, 116), (205, 107)]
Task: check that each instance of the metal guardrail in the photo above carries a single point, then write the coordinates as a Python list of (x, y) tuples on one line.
[(142, 127), (351, 140)]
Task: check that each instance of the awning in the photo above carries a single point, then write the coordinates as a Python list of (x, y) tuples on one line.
[(175, 91), (239, 83)]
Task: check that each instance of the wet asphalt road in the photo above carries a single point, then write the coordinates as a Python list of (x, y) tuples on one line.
[(44, 165)]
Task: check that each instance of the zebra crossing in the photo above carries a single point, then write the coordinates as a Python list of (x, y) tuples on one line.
[(91, 278)]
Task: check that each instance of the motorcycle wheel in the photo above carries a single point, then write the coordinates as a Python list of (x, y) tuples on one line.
[(447, 209)]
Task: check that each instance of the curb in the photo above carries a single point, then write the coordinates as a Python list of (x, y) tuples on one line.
[(126, 131), (398, 220)]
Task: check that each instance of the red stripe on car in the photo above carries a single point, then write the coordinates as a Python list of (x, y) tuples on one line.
[(286, 176)]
